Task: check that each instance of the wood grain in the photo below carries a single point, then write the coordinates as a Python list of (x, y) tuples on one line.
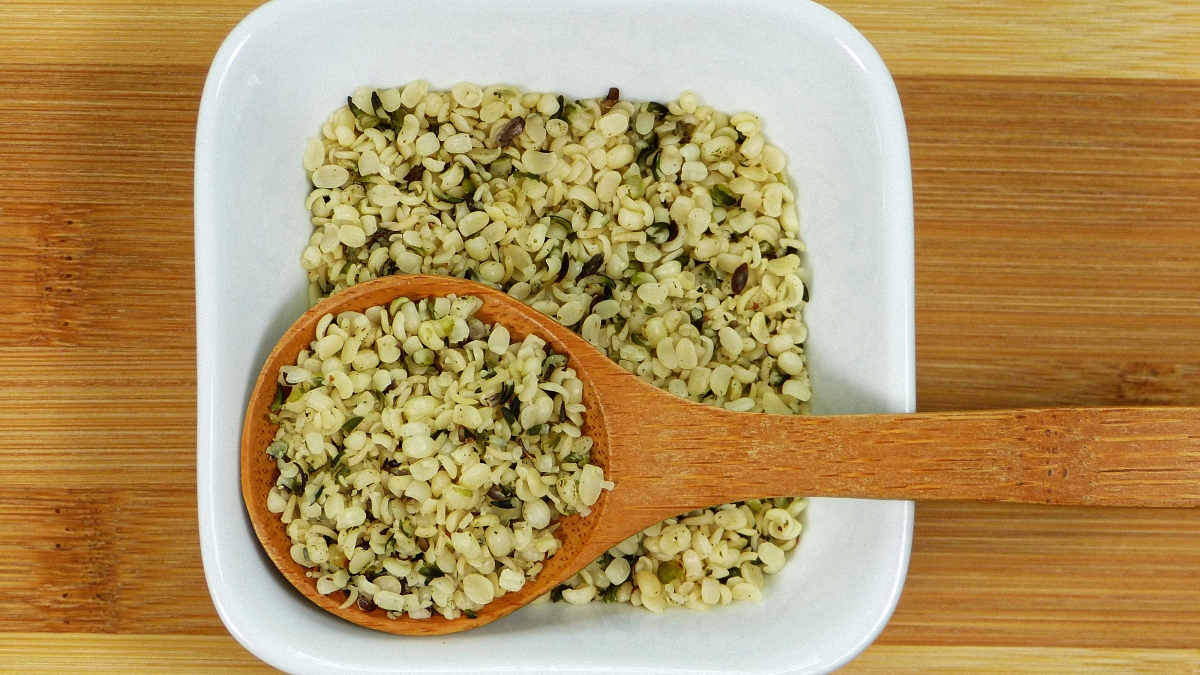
[(95, 205), (44, 654), (1141, 39), (102, 560), (1024, 661), (97, 654), (1057, 179), (97, 418), (1038, 576), (1056, 241)]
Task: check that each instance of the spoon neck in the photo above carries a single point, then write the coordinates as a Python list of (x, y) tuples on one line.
[(668, 455)]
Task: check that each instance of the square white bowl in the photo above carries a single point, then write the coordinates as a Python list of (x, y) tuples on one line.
[(825, 98)]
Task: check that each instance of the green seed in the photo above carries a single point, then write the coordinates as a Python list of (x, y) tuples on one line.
[(670, 571), (722, 195), (642, 278)]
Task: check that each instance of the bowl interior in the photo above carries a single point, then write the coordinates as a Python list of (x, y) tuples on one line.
[(825, 99)]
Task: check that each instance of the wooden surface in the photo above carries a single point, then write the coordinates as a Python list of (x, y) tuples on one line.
[(1056, 168)]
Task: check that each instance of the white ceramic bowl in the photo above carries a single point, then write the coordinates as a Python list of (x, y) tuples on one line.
[(825, 98)]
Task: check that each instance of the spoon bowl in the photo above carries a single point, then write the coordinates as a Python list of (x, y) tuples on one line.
[(259, 470), (667, 455)]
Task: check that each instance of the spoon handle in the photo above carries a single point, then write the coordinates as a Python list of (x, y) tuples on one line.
[(699, 456)]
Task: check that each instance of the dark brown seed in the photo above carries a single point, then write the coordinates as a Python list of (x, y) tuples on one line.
[(496, 494), (591, 266), (509, 132), (566, 264), (414, 173), (740, 276), (609, 101), (366, 604)]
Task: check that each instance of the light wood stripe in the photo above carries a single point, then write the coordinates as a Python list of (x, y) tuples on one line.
[(58, 654), (1048, 38), (1054, 38), (82, 654), (98, 418), (1042, 576), (889, 660)]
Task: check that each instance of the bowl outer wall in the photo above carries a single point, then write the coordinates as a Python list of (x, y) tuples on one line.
[(825, 97)]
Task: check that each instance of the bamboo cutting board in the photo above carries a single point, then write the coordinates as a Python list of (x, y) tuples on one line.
[(1056, 169)]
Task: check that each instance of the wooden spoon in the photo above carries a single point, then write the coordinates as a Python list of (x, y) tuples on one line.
[(668, 456)]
